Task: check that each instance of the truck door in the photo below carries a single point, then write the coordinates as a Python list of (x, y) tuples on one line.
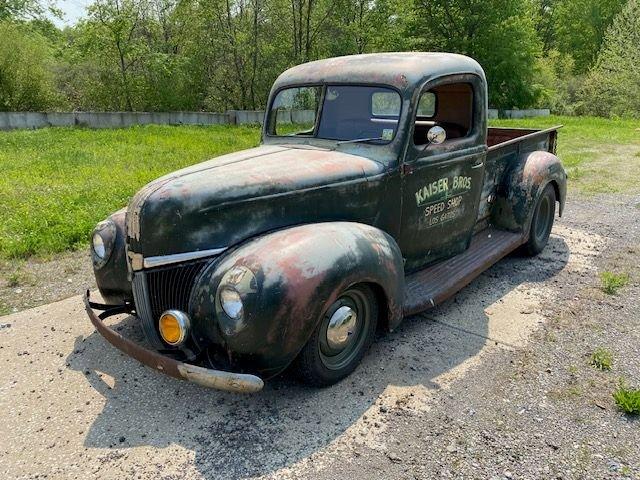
[(441, 184)]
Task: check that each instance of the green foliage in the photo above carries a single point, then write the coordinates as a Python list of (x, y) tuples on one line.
[(25, 71), (627, 399), (557, 90), (602, 359), (19, 9), (160, 55), (500, 34), (613, 86), (612, 282), (580, 27), (58, 183)]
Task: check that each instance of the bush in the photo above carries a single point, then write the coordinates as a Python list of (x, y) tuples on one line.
[(25, 70)]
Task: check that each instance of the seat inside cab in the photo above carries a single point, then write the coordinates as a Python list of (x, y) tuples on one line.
[(448, 106)]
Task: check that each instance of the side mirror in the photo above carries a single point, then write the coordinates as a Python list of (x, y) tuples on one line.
[(436, 135)]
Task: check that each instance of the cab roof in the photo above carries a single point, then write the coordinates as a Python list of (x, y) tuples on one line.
[(403, 70)]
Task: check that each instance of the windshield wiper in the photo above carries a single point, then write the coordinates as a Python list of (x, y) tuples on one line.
[(358, 140)]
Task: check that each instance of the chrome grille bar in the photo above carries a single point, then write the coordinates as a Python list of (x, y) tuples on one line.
[(143, 310)]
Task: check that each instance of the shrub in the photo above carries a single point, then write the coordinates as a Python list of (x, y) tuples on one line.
[(25, 73)]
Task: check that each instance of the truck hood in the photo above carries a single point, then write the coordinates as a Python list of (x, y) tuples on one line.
[(220, 202)]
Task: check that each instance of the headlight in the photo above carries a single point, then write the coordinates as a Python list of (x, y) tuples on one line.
[(102, 242), (231, 302), (99, 249)]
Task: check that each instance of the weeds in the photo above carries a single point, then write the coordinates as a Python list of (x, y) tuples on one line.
[(13, 279), (602, 359), (612, 282), (627, 399)]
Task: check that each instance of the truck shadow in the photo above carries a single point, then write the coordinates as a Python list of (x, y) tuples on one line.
[(234, 436)]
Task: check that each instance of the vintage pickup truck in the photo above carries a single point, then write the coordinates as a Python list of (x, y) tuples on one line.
[(378, 191)]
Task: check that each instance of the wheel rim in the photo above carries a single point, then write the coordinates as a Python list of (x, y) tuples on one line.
[(344, 328), (543, 219)]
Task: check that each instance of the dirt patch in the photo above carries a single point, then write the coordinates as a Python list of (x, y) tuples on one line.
[(28, 284), (607, 169)]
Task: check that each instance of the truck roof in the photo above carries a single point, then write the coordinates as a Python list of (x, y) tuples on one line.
[(403, 70)]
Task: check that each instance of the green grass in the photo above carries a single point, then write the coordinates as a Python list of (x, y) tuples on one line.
[(627, 399), (602, 359), (600, 154), (57, 183), (611, 282)]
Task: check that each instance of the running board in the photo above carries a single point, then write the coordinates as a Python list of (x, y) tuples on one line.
[(427, 288)]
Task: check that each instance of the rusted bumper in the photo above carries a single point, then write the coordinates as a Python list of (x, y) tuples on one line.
[(220, 380)]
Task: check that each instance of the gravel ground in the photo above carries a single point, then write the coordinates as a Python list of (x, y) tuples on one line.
[(38, 281), (541, 411), (494, 383)]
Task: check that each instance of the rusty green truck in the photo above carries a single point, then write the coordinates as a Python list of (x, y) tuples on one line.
[(378, 191)]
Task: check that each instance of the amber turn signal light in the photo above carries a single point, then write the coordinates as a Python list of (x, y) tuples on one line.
[(174, 327)]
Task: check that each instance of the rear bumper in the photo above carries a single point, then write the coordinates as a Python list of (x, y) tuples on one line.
[(218, 379)]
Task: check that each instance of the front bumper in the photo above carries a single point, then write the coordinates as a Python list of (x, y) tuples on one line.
[(218, 379)]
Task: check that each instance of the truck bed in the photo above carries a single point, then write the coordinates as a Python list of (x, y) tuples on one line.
[(506, 145)]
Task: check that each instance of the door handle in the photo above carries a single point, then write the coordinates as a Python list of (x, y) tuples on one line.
[(478, 165)]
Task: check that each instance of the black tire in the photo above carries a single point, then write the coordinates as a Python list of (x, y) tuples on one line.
[(542, 222), (321, 365)]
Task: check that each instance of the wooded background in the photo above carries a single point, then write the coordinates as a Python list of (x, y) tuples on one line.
[(573, 56)]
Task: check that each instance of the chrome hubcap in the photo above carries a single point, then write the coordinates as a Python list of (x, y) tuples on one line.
[(341, 327)]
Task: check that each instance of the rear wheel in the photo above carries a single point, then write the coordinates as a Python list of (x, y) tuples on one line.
[(343, 335), (542, 222)]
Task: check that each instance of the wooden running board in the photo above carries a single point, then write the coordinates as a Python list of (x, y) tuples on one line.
[(435, 284)]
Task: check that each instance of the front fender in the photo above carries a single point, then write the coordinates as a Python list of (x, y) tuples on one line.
[(111, 278), (523, 183), (287, 279)]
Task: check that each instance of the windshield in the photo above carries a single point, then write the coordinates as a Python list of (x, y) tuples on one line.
[(336, 112)]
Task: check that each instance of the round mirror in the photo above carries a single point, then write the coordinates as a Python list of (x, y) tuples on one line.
[(436, 135)]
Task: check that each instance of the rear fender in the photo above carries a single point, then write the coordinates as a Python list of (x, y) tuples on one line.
[(523, 183), (287, 279)]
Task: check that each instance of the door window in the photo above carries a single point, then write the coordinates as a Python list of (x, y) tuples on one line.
[(449, 106)]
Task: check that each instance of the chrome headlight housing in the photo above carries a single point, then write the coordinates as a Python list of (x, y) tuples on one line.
[(231, 302), (102, 243), (233, 297)]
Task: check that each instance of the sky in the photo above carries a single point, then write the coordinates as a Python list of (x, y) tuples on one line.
[(72, 11)]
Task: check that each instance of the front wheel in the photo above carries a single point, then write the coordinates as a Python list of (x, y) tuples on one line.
[(542, 222), (343, 335)]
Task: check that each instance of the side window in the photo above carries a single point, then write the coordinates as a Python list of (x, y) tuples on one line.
[(427, 105), (449, 106)]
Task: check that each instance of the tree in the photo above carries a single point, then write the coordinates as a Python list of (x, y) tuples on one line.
[(499, 34), (28, 10), (25, 73), (580, 27), (613, 85)]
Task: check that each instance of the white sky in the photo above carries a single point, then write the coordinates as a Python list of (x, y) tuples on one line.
[(72, 11)]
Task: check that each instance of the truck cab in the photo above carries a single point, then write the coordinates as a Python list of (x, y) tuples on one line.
[(377, 191)]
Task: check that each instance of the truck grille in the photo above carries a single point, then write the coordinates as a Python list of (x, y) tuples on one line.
[(158, 290)]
